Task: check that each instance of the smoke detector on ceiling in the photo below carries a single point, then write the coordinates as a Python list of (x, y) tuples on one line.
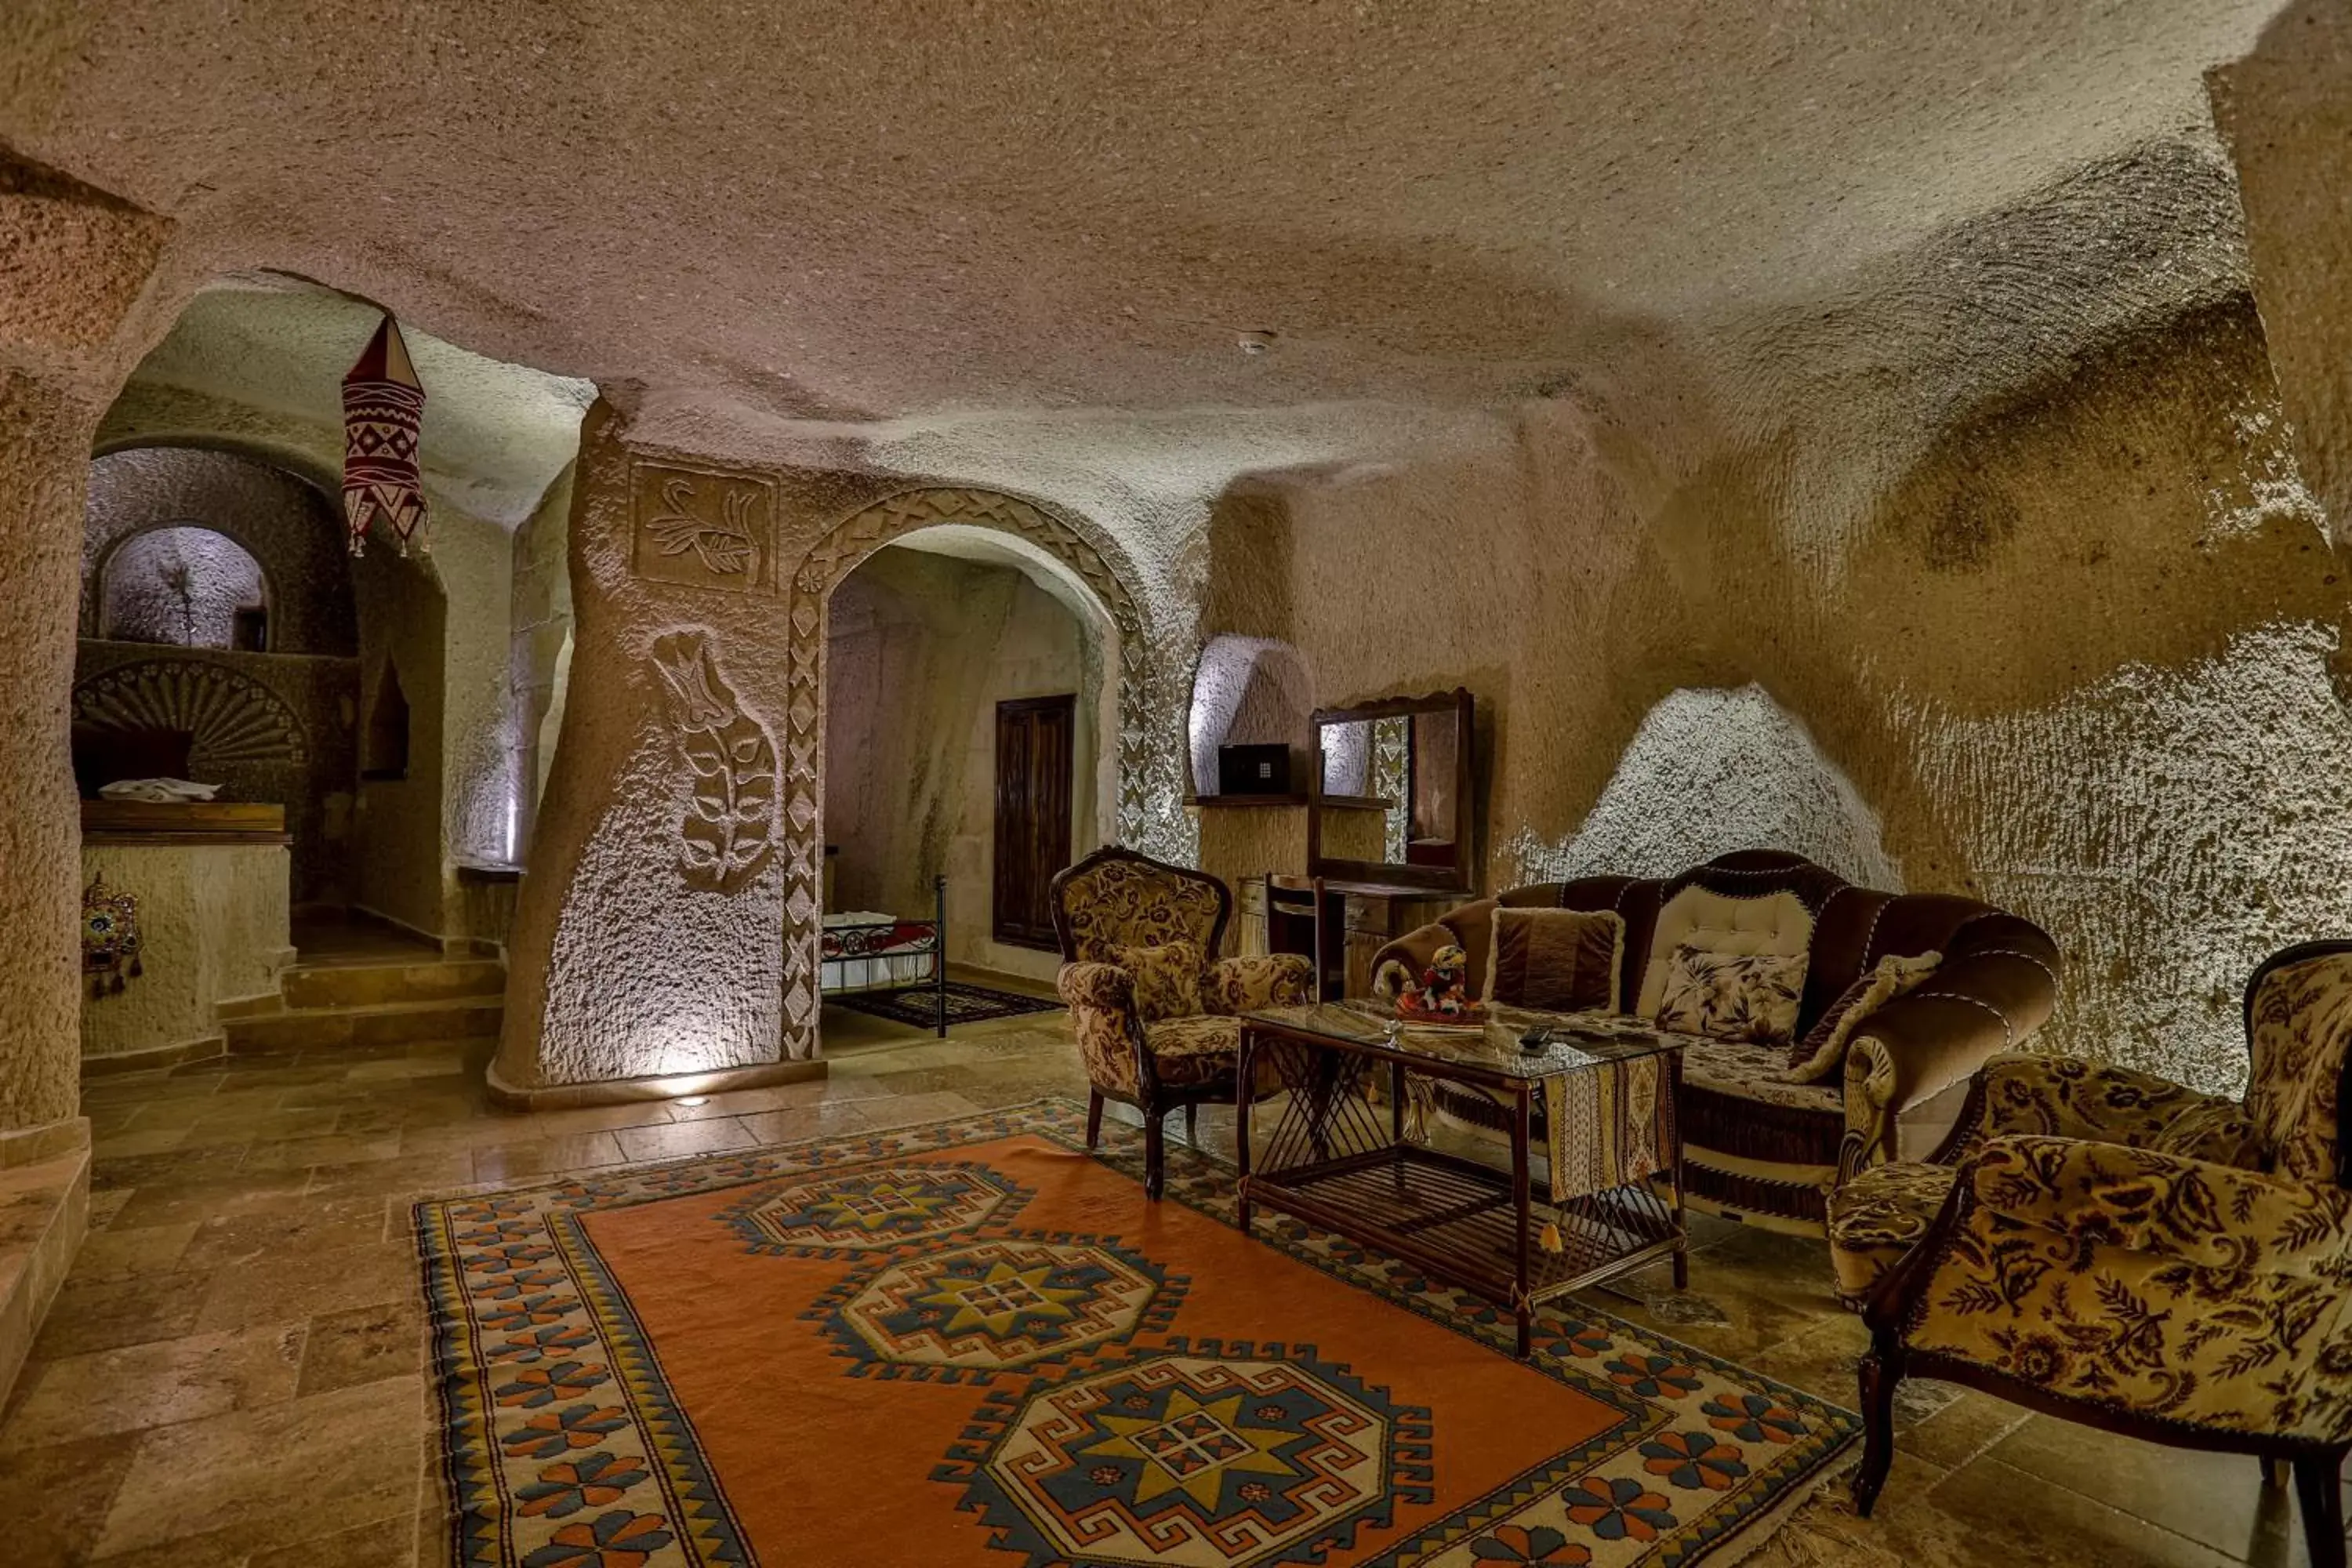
[(1255, 343)]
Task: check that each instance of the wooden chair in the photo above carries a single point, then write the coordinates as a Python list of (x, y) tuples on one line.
[(1139, 1048)]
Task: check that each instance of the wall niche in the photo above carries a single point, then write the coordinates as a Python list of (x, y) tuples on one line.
[(385, 755)]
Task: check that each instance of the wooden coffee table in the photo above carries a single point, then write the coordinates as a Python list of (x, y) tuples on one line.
[(1336, 1160)]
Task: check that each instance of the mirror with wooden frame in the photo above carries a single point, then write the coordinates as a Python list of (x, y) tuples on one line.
[(1390, 799)]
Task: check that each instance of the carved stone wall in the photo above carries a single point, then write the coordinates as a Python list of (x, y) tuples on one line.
[(277, 519), (265, 727), (669, 922), (1150, 753), (181, 586)]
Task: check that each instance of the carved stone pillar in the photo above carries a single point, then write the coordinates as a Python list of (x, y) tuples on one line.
[(647, 948), (75, 263)]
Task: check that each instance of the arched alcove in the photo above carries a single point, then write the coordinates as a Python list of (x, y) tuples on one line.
[(147, 504), (384, 753), (934, 643), (185, 585), (1249, 692)]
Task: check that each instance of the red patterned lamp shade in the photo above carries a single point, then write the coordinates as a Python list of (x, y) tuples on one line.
[(384, 409)]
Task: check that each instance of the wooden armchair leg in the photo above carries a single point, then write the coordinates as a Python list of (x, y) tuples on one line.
[(1155, 1153), (2319, 1498), (1879, 1371), (1191, 1132), (1094, 1120)]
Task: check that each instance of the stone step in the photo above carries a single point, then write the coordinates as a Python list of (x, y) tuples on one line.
[(379, 985), (385, 1023)]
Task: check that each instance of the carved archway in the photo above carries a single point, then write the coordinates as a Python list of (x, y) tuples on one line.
[(1149, 797)]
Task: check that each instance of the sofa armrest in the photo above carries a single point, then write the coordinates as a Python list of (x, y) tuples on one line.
[(1978, 1004), (1103, 986), (1411, 952), (1268, 980), (1101, 1000)]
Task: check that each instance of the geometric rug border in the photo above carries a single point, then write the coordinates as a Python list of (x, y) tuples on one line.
[(496, 1311)]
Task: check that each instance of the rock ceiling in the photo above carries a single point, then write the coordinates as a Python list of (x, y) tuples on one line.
[(1687, 214)]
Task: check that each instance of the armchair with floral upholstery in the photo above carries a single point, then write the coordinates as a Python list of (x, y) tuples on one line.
[(2125, 1251), (1156, 1011)]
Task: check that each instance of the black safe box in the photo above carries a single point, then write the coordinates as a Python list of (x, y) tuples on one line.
[(1253, 770)]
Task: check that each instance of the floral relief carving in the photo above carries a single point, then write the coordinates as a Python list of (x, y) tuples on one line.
[(702, 529), (729, 828)]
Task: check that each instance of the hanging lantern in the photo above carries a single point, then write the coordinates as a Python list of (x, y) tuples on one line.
[(384, 409)]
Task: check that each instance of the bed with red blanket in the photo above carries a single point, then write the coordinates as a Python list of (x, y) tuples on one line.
[(865, 950)]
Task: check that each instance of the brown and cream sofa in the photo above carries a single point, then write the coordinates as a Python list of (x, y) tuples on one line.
[(1759, 1144)]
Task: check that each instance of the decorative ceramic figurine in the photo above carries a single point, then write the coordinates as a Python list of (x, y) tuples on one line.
[(1444, 994)]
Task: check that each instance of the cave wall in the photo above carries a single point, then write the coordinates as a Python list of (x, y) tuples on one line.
[(2081, 659), (539, 669)]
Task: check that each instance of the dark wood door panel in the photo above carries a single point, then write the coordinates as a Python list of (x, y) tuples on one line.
[(1033, 758)]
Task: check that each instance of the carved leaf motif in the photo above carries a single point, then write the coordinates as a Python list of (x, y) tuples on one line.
[(725, 548), (729, 828)]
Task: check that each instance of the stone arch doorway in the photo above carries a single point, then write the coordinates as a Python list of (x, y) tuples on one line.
[(1147, 750)]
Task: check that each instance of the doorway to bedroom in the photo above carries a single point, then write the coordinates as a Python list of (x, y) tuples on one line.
[(965, 763)]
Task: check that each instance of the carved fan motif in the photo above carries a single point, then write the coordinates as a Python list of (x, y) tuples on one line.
[(230, 718)]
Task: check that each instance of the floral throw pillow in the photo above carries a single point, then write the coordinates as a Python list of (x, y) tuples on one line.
[(1732, 995), (1167, 979), (1821, 1053)]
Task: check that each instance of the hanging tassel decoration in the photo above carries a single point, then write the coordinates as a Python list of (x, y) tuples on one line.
[(1550, 1240)]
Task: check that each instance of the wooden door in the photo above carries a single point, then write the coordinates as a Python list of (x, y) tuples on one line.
[(1032, 814)]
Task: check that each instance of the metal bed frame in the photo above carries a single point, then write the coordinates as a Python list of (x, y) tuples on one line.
[(844, 944)]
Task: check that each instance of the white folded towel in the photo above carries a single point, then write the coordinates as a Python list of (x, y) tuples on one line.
[(165, 791)]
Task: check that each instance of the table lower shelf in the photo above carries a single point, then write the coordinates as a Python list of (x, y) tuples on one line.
[(1458, 1219)]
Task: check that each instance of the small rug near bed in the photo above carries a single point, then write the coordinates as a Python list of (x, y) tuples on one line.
[(920, 1004), (973, 1344)]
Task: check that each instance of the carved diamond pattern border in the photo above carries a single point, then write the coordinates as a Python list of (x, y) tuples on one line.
[(1150, 809)]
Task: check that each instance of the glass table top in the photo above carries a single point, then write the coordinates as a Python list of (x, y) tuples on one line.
[(1576, 1042)]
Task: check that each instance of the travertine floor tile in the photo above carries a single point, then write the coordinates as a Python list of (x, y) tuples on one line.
[(55, 1500), (92, 1315), (673, 1138), (541, 1156), (249, 1290), (281, 1473), (389, 1543), (362, 1345), (329, 1280), (108, 1254), (154, 1384)]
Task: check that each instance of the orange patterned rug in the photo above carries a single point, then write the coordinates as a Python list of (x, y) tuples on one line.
[(973, 1343)]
